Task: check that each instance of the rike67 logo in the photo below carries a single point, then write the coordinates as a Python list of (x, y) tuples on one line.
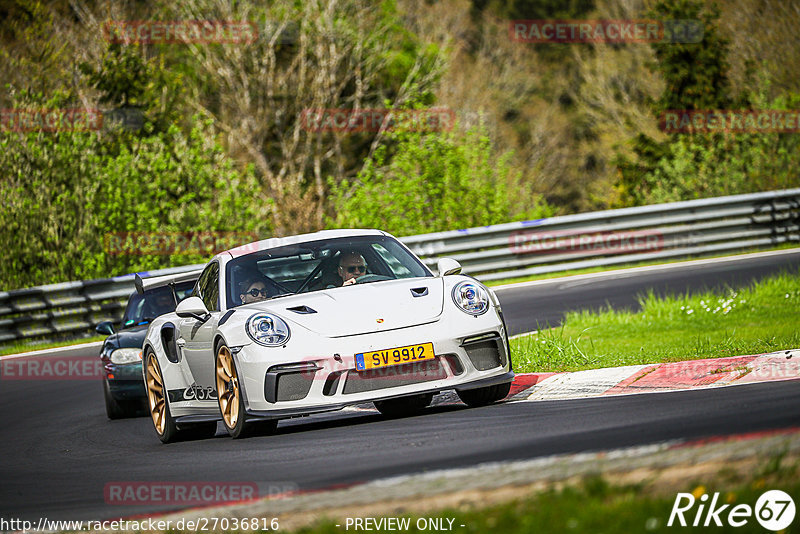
[(774, 510)]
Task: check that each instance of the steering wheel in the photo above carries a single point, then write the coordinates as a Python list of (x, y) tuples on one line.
[(372, 278)]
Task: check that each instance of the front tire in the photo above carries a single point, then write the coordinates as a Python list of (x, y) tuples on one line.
[(229, 393), (404, 405), (484, 396), (157, 401), (115, 409)]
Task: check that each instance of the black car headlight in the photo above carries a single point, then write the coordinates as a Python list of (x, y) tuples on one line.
[(126, 356), (471, 298), (267, 329)]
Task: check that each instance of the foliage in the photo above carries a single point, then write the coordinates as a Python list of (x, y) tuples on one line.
[(535, 9), (700, 165), (703, 165), (696, 74), (568, 126), (344, 54), (425, 181), (132, 84), (64, 192)]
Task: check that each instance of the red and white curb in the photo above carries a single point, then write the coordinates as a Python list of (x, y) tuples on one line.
[(649, 378), (694, 374)]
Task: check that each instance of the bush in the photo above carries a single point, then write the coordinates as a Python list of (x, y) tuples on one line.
[(702, 167), (64, 192), (432, 181), (705, 165)]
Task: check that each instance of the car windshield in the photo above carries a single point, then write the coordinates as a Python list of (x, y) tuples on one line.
[(317, 265), (142, 309)]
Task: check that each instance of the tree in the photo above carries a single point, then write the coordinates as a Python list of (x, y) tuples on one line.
[(696, 74), (427, 181), (696, 78), (65, 193), (314, 55)]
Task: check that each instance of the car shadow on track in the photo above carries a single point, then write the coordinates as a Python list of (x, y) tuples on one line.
[(339, 419)]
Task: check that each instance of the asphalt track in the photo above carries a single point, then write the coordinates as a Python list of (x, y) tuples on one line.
[(58, 451)]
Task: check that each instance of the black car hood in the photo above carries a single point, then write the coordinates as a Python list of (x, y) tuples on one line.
[(128, 338)]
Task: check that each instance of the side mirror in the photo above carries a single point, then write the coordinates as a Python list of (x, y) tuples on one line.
[(105, 328), (448, 266), (192, 307)]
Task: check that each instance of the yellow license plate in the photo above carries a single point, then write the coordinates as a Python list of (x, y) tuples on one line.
[(375, 359)]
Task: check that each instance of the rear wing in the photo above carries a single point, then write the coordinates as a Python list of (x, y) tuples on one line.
[(143, 284)]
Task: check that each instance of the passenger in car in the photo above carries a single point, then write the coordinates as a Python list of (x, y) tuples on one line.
[(253, 290)]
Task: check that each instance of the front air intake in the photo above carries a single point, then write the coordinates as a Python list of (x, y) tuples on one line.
[(486, 351), (394, 376), (289, 382)]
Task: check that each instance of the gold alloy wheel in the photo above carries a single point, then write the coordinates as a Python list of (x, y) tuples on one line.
[(227, 387), (155, 394)]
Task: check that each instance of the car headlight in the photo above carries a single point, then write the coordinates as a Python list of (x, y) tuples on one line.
[(267, 329), (471, 298), (125, 356)]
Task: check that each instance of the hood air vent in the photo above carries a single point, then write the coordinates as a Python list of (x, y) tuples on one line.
[(302, 310)]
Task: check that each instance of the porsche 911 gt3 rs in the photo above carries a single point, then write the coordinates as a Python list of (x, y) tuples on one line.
[(293, 326)]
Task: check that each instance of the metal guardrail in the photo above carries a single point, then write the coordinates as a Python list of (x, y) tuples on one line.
[(69, 308), (604, 238)]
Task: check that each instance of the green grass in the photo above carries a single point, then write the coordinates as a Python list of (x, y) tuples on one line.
[(17, 348), (589, 270), (763, 317), (595, 506)]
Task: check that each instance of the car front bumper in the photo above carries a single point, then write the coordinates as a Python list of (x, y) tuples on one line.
[(301, 382), (127, 382)]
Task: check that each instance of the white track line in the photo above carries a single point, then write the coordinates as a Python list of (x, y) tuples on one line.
[(93, 344)]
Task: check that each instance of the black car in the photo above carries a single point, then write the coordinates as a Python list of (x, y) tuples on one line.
[(123, 387)]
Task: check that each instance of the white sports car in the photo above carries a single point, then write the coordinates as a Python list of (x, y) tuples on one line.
[(288, 327)]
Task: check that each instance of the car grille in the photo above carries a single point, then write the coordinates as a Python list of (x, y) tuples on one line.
[(390, 377), (486, 352), (294, 386), (289, 382)]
